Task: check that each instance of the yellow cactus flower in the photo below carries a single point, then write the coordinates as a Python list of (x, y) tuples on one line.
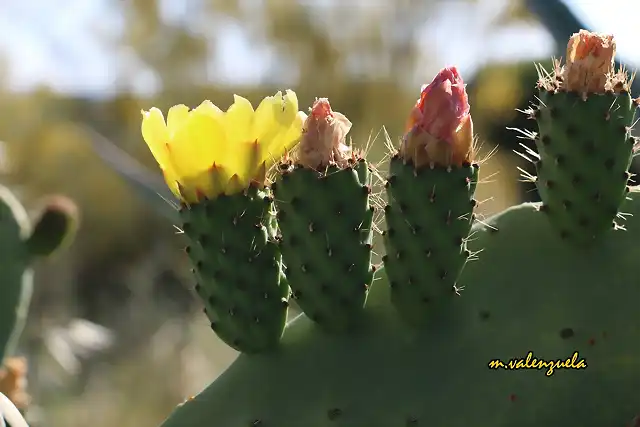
[(206, 152)]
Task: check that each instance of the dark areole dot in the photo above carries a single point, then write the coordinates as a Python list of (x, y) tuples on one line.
[(583, 222), (566, 333), (589, 147), (411, 422), (609, 163), (334, 413)]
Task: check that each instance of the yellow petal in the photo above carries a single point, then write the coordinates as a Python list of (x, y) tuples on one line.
[(248, 156), (235, 185), (238, 119), (172, 182), (219, 179), (264, 121), (180, 151), (156, 135), (288, 110), (198, 143), (285, 141), (176, 118), (208, 137), (208, 107)]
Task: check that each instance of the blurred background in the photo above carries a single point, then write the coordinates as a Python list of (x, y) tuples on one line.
[(115, 336)]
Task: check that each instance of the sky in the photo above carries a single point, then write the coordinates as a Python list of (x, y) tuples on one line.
[(53, 42)]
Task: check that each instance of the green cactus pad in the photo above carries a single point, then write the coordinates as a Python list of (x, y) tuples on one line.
[(325, 219), (585, 148), (16, 278), (389, 376), (56, 226), (429, 216), (238, 267)]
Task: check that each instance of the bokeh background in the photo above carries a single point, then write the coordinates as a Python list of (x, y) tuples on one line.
[(115, 336)]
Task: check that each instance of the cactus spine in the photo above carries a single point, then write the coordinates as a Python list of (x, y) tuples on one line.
[(325, 218)]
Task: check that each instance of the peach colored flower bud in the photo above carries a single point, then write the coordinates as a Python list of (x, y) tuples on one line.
[(440, 129), (323, 139), (589, 62)]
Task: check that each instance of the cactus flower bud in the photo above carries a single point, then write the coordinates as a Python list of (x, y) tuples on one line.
[(323, 139), (440, 129), (589, 63)]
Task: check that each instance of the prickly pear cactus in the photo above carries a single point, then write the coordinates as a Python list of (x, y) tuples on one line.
[(430, 187), (21, 242), (227, 212), (326, 217), (584, 142), (441, 341)]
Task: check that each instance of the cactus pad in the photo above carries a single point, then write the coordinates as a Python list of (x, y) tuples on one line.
[(238, 267), (325, 219), (15, 275), (21, 242), (429, 216), (585, 148), (387, 376)]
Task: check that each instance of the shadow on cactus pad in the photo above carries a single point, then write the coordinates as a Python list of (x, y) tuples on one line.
[(578, 302)]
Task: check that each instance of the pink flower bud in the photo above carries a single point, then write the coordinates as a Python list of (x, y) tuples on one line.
[(323, 138), (439, 129)]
